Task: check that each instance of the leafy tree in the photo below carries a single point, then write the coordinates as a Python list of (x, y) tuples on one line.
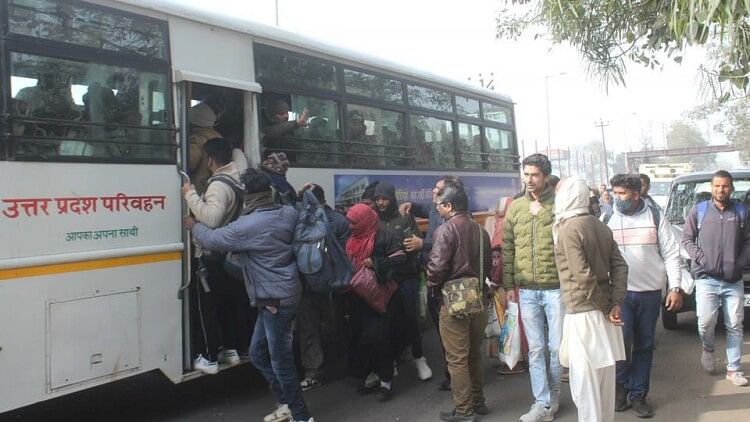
[(683, 135), (732, 119), (609, 33)]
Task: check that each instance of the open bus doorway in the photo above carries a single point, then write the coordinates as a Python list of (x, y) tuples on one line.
[(220, 318)]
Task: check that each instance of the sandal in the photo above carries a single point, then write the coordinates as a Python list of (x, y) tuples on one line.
[(309, 383)]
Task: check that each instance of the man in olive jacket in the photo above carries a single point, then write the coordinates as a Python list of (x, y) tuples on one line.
[(529, 259)]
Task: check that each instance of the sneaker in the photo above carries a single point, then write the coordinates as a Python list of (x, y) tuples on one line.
[(372, 380), (538, 413), (641, 407), (621, 398), (384, 393), (229, 356), (737, 378), (445, 385), (481, 409), (281, 414), (206, 366), (423, 371), (554, 400), (309, 383), (708, 361), (453, 417), (307, 420)]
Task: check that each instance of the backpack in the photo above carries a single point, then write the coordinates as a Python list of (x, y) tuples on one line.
[(739, 208), (321, 260), (310, 235), (232, 264)]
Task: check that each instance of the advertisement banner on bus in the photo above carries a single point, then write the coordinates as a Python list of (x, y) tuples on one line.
[(483, 191)]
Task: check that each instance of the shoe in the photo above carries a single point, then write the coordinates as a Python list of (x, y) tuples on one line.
[(737, 378), (307, 420), (504, 370), (554, 400), (423, 371), (309, 383), (621, 398), (453, 417), (641, 407), (372, 380), (384, 393), (210, 367), (538, 413), (445, 385), (481, 409), (281, 414), (229, 356), (708, 361)]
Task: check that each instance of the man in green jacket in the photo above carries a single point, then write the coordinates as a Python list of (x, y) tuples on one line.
[(529, 258)]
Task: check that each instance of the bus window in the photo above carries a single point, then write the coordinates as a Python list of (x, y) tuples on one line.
[(431, 99), (317, 144), (376, 137), (90, 26), (88, 111), (467, 107), (470, 146), (433, 142), (272, 65), (496, 113), (372, 86), (499, 148)]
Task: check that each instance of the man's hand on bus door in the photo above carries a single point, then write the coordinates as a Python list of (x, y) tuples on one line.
[(187, 187), (412, 244), (404, 208), (188, 222)]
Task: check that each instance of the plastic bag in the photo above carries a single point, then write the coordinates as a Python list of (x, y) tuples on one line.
[(496, 313), (510, 337)]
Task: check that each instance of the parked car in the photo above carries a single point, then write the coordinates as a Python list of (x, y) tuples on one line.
[(685, 192)]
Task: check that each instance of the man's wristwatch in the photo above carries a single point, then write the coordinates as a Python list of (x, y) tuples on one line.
[(675, 290)]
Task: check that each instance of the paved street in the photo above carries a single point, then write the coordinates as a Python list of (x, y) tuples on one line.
[(680, 391)]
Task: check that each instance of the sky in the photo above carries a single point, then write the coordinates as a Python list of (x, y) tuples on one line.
[(457, 39)]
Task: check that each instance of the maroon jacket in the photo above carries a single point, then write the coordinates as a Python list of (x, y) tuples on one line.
[(455, 251)]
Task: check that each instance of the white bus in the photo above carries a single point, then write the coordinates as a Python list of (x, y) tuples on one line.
[(94, 101), (661, 176)]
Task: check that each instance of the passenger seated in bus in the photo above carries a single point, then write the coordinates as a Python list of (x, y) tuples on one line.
[(277, 123), (51, 97), (366, 153), (275, 166), (202, 120), (222, 310)]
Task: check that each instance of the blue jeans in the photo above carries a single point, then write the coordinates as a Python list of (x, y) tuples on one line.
[(536, 306), (640, 310), (271, 352), (710, 293)]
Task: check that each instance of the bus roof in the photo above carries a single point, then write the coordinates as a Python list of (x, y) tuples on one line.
[(262, 32)]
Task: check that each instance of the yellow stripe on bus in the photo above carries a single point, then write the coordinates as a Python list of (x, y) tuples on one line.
[(96, 264)]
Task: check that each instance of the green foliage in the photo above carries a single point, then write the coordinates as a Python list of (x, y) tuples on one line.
[(682, 135), (731, 118), (610, 33)]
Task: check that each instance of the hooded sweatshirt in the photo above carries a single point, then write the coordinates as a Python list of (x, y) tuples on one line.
[(593, 273), (402, 226)]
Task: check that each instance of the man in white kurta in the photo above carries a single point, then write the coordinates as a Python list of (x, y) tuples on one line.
[(593, 277)]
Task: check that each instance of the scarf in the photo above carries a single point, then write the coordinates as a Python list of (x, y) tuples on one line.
[(571, 200), (257, 200), (363, 222), (276, 162)]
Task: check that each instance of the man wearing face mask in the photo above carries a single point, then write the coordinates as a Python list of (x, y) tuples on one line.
[(653, 256)]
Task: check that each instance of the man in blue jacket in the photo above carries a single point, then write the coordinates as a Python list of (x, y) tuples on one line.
[(717, 238), (263, 237)]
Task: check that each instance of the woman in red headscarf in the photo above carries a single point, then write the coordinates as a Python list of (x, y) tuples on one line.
[(372, 246)]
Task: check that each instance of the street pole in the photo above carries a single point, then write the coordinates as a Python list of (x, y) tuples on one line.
[(546, 101), (601, 124), (277, 13)]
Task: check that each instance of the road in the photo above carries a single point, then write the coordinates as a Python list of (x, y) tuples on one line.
[(680, 391)]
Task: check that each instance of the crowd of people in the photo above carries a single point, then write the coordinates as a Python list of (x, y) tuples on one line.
[(587, 268)]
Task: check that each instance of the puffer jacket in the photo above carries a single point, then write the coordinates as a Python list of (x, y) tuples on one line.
[(455, 251), (269, 264), (528, 251)]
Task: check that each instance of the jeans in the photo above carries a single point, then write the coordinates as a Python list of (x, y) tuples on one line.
[(711, 293), (536, 306), (313, 309), (640, 310), (271, 352)]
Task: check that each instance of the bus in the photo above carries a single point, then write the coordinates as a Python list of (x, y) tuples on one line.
[(661, 176), (95, 100)]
